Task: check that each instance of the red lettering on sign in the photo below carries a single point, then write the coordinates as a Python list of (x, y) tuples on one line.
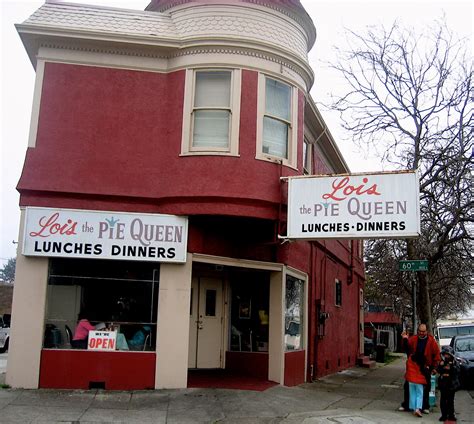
[(341, 189), (50, 226)]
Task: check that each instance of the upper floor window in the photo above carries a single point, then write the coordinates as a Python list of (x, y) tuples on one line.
[(211, 112), (277, 121), (277, 118)]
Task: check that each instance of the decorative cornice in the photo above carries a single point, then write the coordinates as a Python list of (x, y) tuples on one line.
[(303, 73), (101, 50), (197, 50)]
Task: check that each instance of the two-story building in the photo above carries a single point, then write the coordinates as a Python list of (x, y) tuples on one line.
[(153, 196)]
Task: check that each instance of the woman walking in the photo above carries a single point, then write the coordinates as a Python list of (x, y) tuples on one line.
[(416, 380)]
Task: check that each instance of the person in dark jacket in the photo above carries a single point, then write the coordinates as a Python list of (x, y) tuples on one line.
[(448, 383)]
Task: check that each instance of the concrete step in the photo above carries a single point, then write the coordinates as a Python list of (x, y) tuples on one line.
[(366, 362)]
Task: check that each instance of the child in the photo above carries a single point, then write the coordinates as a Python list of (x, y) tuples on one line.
[(448, 383)]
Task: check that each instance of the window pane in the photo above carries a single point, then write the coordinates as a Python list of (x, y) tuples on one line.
[(277, 99), (118, 294), (275, 137), (294, 314), (212, 89), (465, 330), (210, 303), (448, 332), (211, 128)]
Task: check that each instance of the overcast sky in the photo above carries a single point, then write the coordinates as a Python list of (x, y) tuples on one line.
[(329, 16)]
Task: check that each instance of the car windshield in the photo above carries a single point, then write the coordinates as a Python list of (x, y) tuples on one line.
[(465, 345)]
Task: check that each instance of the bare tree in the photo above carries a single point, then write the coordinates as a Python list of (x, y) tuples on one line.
[(7, 273), (410, 99)]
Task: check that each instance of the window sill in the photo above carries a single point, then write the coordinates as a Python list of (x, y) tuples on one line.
[(276, 160), (208, 153)]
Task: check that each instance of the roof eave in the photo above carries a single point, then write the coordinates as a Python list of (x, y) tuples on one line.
[(326, 140)]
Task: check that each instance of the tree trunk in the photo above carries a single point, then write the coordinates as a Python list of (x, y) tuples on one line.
[(424, 300)]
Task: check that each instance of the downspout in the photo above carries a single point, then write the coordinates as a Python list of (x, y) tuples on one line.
[(313, 319), (282, 181)]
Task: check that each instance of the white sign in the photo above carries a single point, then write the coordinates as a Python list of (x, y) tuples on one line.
[(102, 340), (354, 206), (105, 235)]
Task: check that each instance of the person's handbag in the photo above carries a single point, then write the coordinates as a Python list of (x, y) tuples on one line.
[(432, 395)]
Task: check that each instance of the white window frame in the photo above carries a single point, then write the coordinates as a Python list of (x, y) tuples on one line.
[(292, 141), (187, 147), (307, 157)]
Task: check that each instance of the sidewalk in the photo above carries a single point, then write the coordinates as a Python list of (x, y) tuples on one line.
[(356, 396)]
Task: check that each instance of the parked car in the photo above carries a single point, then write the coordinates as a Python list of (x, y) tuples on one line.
[(4, 333), (464, 351)]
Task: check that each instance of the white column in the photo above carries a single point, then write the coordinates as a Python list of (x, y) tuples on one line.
[(173, 325), (28, 312), (276, 364)]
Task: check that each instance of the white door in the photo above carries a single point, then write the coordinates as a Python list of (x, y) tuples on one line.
[(206, 323)]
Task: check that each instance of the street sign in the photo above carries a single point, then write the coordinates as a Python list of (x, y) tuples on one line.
[(416, 265)]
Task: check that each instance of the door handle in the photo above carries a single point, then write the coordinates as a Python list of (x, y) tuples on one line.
[(200, 324)]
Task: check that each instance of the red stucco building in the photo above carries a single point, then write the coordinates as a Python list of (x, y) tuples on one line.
[(152, 196)]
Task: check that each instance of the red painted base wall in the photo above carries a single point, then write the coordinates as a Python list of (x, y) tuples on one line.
[(294, 368), (76, 369)]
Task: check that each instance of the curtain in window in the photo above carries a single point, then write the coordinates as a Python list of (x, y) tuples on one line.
[(212, 89), (212, 109), (275, 136), (277, 117), (277, 99), (211, 128)]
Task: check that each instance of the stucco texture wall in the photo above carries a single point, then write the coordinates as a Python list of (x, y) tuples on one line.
[(111, 139)]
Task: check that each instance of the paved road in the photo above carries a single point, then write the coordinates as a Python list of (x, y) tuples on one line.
[(355, 396)]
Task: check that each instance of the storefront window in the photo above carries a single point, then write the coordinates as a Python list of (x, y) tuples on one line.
[(294, 313), (112, 295), (250, 294)]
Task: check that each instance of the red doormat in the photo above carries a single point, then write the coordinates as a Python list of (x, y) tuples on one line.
[(222, 379)]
